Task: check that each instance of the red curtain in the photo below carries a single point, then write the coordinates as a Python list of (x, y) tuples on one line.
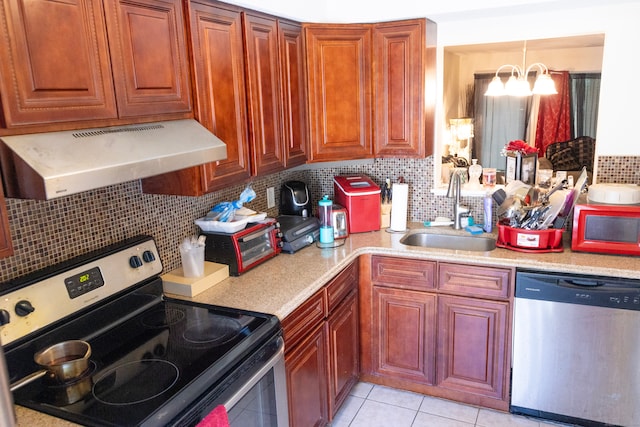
[(554, 115)]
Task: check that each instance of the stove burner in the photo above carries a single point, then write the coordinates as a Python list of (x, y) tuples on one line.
[(215, 330), (162, 318), (135, 382)]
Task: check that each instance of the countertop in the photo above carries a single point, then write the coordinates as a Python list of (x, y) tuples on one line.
[(284, 282)]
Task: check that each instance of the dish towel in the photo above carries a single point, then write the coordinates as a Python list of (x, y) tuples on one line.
[(216, 418)]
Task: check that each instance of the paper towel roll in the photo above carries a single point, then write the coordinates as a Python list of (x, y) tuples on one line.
[(399, 207)]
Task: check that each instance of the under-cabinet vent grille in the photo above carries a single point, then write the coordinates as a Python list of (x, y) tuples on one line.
[(98, 132)]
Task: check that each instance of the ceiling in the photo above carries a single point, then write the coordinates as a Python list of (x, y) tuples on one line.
[(590, 40)]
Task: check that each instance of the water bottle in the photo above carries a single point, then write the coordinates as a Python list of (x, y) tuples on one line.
[(325, 213)]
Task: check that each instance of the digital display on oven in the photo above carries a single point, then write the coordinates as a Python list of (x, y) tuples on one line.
[(81, 283)]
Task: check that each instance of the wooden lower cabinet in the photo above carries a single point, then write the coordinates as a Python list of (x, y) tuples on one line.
[(322, 351), (307, 369), (446, 335), (344, 363), (404, 346), (472, 346)]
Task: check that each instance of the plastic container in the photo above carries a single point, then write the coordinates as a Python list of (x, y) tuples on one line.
[(487, 223), (489, 177), (230, 226), (325, 213), (535, 241), (361, 197)]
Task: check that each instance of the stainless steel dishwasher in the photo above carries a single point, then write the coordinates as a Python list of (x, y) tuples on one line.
[(576, 349)]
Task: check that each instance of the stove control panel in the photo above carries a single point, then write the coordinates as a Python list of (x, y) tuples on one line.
[(30, 308)]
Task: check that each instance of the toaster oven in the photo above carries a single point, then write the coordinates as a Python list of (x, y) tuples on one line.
[(246, 248)]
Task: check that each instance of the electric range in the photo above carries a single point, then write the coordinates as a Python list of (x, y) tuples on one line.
[(154, 360)]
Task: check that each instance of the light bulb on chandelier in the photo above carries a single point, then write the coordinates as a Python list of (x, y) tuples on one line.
[(518, 84)]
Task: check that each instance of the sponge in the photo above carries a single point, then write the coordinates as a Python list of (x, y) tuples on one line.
[(474, 229)]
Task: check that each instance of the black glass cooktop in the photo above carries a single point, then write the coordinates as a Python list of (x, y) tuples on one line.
[(143, 369)]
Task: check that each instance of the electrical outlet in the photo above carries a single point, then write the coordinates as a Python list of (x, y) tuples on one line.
[(271, 198)]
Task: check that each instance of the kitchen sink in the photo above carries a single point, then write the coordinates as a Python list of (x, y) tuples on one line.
[(449, 241)]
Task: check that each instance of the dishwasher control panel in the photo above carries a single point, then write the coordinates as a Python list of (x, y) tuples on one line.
[(579, 289)]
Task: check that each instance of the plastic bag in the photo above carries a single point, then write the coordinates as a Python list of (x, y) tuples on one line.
[(225, 211)]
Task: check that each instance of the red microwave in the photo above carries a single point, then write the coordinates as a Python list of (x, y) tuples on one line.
[(606, 228)]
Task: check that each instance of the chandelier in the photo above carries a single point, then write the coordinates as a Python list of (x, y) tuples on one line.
[(518, 85)]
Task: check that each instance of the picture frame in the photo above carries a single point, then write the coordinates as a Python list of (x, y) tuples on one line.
[(528, 165), (521, 167)]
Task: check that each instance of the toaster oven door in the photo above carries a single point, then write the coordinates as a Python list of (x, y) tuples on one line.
[(256, 246)]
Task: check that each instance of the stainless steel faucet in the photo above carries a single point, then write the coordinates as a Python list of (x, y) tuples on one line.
[(454, 192)]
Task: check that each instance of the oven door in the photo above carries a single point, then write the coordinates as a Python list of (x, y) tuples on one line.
[(254, 394), (261, 401)]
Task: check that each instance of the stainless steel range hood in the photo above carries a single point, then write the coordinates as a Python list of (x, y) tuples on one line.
[(49, 165)]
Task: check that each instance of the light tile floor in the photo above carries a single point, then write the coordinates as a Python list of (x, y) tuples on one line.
[(370, 405)]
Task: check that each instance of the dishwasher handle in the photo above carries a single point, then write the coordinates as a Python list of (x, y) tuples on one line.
[(569, 283)]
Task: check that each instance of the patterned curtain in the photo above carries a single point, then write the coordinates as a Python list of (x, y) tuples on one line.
[(554, 115)]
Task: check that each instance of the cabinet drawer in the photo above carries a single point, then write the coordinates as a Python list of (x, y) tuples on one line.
[(341, 285), (474, 280), (403, 273), (304, 318)]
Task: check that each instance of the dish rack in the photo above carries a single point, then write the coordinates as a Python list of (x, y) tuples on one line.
[(531, 241)]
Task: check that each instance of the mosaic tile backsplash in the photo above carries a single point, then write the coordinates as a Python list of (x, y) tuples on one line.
[(48, 232)]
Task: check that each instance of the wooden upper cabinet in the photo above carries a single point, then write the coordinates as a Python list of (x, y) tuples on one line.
[(149, 56), (221, 98), (76, 61), (293, 80), (220, 101), (263, 87), (54, 62), (370, 90), (398, 76), (339, 81)]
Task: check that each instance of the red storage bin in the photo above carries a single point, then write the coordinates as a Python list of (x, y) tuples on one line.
[(361, 198), (521, 240)]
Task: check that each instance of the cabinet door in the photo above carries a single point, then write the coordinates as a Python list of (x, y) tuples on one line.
[(221, 99), (473, 341), (339, 64), (306, 367), (294, 94), (344, 366), (398, 76), (220, 102), (263, 86), (404, 325), (54, 63), (149, 57)]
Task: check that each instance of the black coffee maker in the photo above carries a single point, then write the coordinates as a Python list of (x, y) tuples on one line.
[(295, 199)]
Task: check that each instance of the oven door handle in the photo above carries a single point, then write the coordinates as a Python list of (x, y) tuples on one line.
[(240, 393), (256, 234)]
